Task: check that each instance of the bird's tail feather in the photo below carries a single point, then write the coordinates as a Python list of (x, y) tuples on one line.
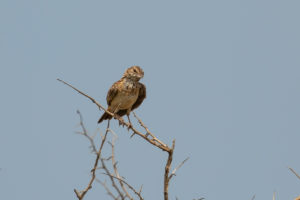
[(104, 117), (108, 116)]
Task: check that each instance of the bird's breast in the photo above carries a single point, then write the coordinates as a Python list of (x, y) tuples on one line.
[(126, 97)]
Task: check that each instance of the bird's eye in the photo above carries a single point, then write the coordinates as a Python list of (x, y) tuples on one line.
[(135, 70)]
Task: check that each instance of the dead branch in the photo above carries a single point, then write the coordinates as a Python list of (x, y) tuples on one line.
[(114, 164), (84, 133), (130, 187), (112, 180), (140, 190), (167, 171), (81, 194), (147, 130), (176, 168), (112, 157), (107, 189), (153, 140), (298, 176), (92, 99)]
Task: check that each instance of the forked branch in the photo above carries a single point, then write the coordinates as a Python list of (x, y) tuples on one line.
[(152, 140), (81, 194), (116, 172), (132, 188)]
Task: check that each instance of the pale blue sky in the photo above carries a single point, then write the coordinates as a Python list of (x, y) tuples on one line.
[(222, 79)]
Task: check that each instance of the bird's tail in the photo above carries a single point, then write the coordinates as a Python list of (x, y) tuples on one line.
[(108, 116), (104, 117)]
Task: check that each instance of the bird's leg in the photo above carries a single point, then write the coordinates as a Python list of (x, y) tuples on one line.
[(130, 125), (118, 117)]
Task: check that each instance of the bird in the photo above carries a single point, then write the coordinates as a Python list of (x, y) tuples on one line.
[(126, 94)]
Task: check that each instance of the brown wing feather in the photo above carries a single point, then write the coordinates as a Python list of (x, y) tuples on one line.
[(141, 97), (112, 92)]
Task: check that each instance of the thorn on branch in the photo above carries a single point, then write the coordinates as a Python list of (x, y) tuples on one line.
[(176, 168)]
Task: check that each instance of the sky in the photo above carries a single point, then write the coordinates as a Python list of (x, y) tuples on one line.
[(222, 79)]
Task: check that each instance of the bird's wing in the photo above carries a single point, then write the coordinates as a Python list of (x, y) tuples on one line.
[(141, 97), (112, 93)]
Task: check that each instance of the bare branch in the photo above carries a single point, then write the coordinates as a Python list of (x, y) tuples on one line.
[(130, 187), (294, 172), (107, 189), (167, 170), (147, 130), (92, 99), (176, 168), (153, 141), (81, 194), (84, 133), (253, 197), (140, 190), (112, 180), (114, 164)]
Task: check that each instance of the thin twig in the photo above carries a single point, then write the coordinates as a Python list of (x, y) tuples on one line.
[(80, 194), (92, 99), (176, 168), (253, 197), (147, 130), (114, 164), (130, 187), (140, 190), (112, 180), (107, 189), (294, 172), (84, 133)]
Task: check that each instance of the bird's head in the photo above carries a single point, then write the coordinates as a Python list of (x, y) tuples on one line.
[(134, 73)]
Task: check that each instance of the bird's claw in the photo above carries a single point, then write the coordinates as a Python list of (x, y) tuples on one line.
[(129, 127), (121, 120)]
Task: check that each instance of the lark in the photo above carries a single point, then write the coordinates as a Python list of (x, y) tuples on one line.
[(126, 94)]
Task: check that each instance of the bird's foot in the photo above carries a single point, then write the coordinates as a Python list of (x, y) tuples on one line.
[(120, 119), (130, 126), (129, 122)]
